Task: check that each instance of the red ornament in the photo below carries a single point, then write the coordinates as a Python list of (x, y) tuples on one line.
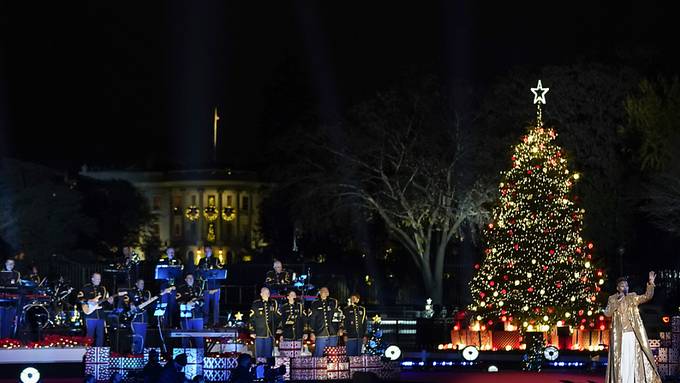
[(504, 312), (529, 172), (580, 312), (516, 246), (530, 289), (545, 268), (504, 291), (590, 245), (491, 283), (476, 266), (482, 294), (505, 277), (558, 285), (551, 252), (504, 318)]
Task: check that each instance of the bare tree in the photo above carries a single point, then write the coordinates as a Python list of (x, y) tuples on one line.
[(404, 160)]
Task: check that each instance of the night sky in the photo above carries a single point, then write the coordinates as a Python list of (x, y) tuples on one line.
[(135, 83)]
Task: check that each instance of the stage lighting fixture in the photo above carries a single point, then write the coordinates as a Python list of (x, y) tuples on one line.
[(470, 353), (492, 368), (393, 352), (29, 375), (551, 353)]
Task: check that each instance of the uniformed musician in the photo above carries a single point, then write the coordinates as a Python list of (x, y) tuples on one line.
[(190, 298), (9, 277), (354, 326), (171, 300), (91, 296), (278, 279), (211, 293), (264, 320), (293, 318), (139, 322), (324, 319)]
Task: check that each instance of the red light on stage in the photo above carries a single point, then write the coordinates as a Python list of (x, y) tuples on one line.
[(601, 327), (666, 319), (456, 328)]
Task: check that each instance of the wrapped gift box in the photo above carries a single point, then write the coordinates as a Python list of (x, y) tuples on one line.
[(194, 355), (675, 324), (290, 348), (673, 355), (161, 356), (217, 369), (97, 361), (665, 343), (502, 339), (309, 368), (665, 335), (130, 368), (654, 343), (675, 340), (338, 370), (191, 370), (335, 351), (365, 363), (481, 339), (283, 361), (663, 355), (216, 375), (390, 370)]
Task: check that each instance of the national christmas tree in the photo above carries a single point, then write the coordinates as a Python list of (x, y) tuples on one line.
[(537, 271), (375, 345)]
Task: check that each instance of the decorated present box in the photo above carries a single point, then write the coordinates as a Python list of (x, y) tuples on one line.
[(665, 335), (480, 339), (216, 375), (335, 351), (503, 339), (191, 370), (675, 324), (97, 354), (665, 343), (100, 371), (128, 367), (290, 348), (97, 361), (675, 340), (194, 355), (459, 336), (309, 368), (654, 343), (673, 355), (219, 363), (663, 355), (338, 359), (161, 357), (283, 361), (338, 370)]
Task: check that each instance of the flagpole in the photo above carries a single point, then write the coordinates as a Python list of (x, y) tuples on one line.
[(215, 118)]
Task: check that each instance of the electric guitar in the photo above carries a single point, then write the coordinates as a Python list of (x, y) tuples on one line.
[(94, 304), (133, 312)]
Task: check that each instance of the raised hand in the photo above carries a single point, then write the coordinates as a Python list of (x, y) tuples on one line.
[(652, 276)]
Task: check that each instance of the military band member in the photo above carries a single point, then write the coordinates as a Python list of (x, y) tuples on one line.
[(293, 318), (171, 300), (136, 297), (264, 319), (190, 298), (324, 319), (211, 294), (278, 278), (354, 326), (91, 296), (9, 277)]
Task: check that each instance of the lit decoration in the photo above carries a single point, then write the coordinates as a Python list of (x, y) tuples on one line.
[(192, 213), (550, 271), (376, 318), (210, 213), (375, 345), (228, 213), (211, 232), (238, 316)]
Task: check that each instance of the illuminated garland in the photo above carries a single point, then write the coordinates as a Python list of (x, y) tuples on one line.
[(192, 213), (211, 232), (228, 213), (537, 271), (211, 213), (49, 341)]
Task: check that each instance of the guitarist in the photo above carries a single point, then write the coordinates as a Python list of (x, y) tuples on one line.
[(190, 296), (211, 293), (92, 295), (136, 297)]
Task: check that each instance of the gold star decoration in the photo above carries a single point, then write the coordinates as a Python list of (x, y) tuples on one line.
[(238, 316), (377, 318)]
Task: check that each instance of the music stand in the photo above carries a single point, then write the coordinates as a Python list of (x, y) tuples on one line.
[(185, 311), (168, 272), (159, 313)]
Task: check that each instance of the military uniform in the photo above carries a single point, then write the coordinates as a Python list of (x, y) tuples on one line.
[(272, 278), (264, 320), (194, 321), (354, 326), (139, 322), (324, 320), (169, 299), (292, 320), (211, 300), (95, 321), (8, 314)]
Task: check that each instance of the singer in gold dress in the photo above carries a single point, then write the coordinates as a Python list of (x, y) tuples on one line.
[(630, 358)]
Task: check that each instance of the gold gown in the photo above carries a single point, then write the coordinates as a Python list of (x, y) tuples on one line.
[(645, 367)]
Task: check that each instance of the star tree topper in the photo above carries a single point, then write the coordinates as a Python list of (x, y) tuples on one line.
[(539, 93)]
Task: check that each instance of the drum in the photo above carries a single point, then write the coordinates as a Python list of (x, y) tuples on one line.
[(36, 315)]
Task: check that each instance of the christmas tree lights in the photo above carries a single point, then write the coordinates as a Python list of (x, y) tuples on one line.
[(537, 271)]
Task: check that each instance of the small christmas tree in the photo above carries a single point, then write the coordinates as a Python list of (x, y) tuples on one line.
[(538, 271), (375, 344)]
